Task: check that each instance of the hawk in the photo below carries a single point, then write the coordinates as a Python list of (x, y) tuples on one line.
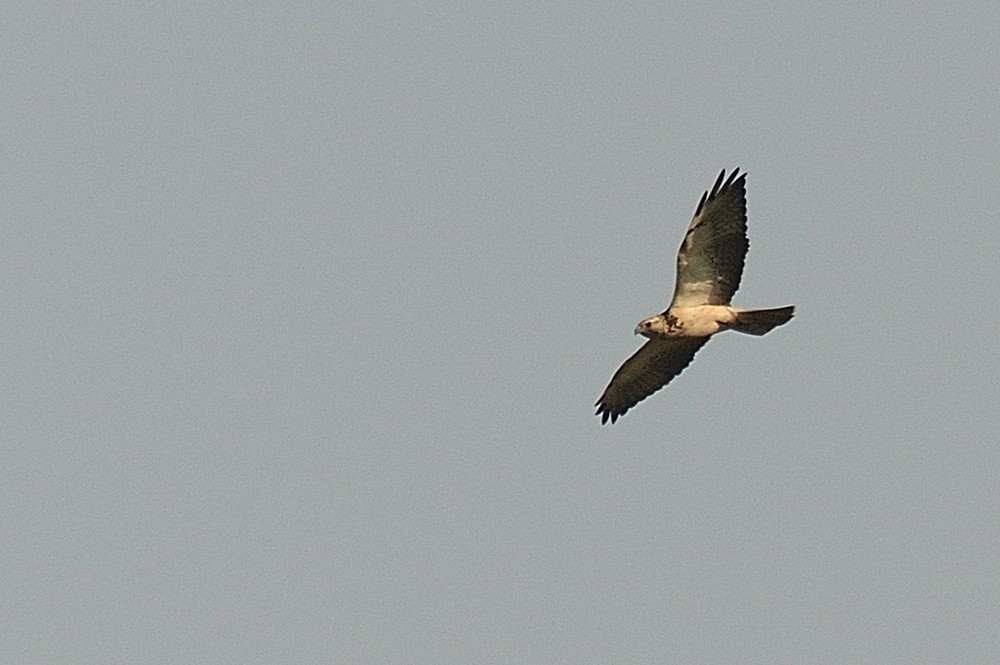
[(709, 267)]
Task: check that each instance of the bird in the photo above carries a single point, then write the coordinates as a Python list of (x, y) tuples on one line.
[(709, 268)]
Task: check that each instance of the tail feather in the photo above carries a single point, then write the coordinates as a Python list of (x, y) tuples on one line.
[(762, 321)]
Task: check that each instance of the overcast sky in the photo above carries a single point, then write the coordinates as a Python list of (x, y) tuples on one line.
[(305, 307)]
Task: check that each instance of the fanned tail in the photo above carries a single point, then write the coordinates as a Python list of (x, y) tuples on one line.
[(762, 321)]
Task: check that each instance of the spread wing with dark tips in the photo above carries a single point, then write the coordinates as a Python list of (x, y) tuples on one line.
[(711, 257), (649, 369)]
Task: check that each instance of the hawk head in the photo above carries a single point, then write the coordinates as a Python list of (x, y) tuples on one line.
[(654, 326)]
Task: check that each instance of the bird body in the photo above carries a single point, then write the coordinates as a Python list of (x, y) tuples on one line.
[(697, 321), (706, 320)]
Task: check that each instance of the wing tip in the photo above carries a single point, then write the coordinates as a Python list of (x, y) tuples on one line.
[(721, 185), (607, 413), (733, 178)]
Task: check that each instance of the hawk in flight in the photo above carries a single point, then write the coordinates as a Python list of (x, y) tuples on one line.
[(709, 267)]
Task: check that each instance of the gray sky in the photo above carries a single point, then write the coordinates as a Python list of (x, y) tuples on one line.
[(305, 308)]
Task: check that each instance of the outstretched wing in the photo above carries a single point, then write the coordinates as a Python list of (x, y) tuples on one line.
[(649, 369), (710, 260)]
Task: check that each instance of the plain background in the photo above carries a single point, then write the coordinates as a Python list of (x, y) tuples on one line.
[(305, 307)]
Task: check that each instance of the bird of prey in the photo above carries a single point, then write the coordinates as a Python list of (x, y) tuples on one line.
[(709, 267)]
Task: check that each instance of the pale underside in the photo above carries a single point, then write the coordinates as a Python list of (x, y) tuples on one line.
[(697, 321)]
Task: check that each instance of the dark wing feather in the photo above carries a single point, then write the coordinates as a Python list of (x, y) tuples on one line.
[(649, 369), (711, 257)]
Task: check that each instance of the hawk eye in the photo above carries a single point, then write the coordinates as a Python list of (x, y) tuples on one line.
[(646, 324)]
